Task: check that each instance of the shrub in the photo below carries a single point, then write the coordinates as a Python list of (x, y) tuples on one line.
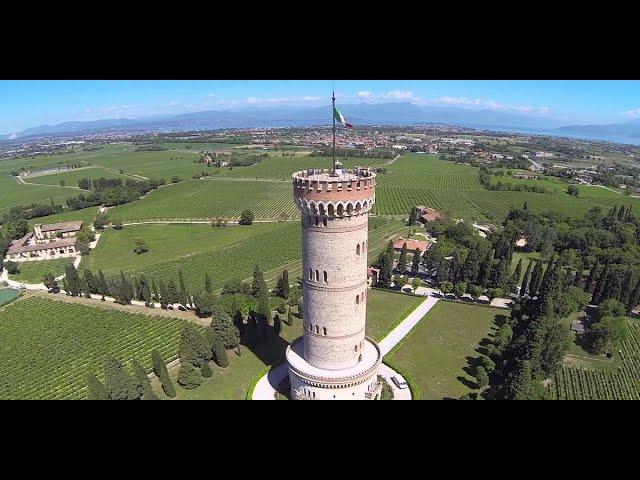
[(12, 268), (160, 369), (206, 370), (219, 353), (95, 388)]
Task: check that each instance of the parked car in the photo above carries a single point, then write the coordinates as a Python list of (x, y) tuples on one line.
[(401, 384)]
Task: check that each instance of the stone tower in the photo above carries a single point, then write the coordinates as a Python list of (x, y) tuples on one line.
[(333, 359)]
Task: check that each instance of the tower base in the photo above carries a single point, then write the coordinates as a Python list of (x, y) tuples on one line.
[(356, 383)]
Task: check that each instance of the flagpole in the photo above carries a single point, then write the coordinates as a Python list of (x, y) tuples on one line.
[(333, 100)]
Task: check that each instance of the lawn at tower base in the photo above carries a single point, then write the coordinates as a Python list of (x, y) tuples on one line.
[(436, 352)]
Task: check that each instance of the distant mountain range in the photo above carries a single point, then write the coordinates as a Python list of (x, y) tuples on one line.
[(399, 113)]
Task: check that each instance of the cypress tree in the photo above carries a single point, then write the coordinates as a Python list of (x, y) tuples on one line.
[(277, 325), (525, 279), (95, 388), (498, 274), (626, 289), (264, 310), (160, 369), (600, 284), (415, 263), (222, 324), (289, 318), (104, 285), (173, 296), (154, 289), (402, 263), (208, 286), (184, 296), (164, 293), (536, 278), (515, 276), (91, 281), (188, 376), (206, 371), (413, 216), (193, 347), (118, 382), (142, 381), (385, 263), (258, 281), (485, 270), (84, 287), (634, 298), (219, 352), (471, 266), (285, 283), (613, 285), (73, 280), (65, 286)]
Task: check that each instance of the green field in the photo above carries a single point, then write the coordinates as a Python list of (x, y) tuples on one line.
[(14, 194), (72, 177), (384, 310), (49, 346), (436, 352), (211, 198), (223, 252), (85, 215), (34, 272)]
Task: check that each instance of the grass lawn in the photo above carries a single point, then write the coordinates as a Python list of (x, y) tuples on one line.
[(384, 310), (437, 351), (34, 272), (7, 294)]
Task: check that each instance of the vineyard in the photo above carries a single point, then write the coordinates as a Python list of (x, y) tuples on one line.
[(48, 346), (208, 199), (575, 383)]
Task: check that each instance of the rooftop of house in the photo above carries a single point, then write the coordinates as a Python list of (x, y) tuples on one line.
[(21, 245), (62, 227), (422, 245)]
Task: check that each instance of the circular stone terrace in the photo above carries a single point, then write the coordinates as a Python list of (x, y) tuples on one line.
[(345, 377)]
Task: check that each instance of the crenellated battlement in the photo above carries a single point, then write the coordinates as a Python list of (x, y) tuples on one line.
[(325, 193)]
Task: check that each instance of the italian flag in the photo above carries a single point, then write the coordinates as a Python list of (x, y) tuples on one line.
[(340, 118)]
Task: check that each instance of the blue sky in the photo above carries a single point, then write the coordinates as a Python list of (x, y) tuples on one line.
[(25, 104)]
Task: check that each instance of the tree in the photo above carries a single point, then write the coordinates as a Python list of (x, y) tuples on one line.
[(488, 364), (50, 282), (502, 337), (95, 388), (498, 274), (164, 294), (277, 325), (525, 279), (160, 369), (206, 371), (460, 289), (141, 246), (193, 347), (482, 379), (485, 270), (173, 295), (103, 285), (607, 334), (222, 325), (413, 216), (246, 217), (17, 229), (573, 190), (289, 318), (446, 287), (282, 289), (101, 221), (515, 277), (142, 381), (600, 284), (415, 263), (188, 376), (183, 296), (471, 266), (118, 382), (402, 263), (385, 263), (415, 283), (536, 278), (208, 285), (219, 352), (205, 303)]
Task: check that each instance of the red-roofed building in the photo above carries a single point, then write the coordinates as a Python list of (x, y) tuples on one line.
[(426, 214), (422, 245)]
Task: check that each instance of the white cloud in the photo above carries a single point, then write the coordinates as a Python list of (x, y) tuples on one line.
[(488, 104), (364, 94), (400, 95), (280, 100), (635, 113), (310, 99)]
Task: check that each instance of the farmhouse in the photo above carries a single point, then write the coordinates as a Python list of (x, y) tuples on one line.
[(46, 242), (422, 245), (426, 214)]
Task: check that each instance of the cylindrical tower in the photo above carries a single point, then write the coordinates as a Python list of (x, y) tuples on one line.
[(334, 208)]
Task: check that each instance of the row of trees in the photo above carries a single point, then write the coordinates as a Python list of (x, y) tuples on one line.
[(119, 383)]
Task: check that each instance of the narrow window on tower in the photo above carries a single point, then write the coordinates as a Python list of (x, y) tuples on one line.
[(357, 299), (324, 331), (317, 330), (358, 250), (317, 276), (324, 274), (310, 274), (324, 222)]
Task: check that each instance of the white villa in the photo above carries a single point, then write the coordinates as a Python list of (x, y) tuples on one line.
[(46, 242)]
